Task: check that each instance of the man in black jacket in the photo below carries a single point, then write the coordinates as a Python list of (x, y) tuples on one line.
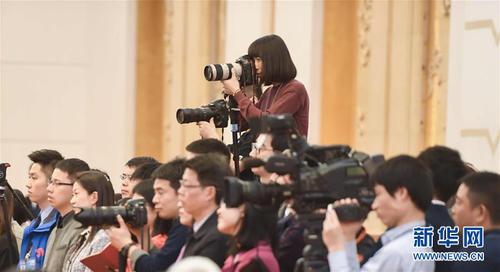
[(447, 168), (199, 195), (477, 205)]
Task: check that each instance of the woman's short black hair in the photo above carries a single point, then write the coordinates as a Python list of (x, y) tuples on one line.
[(277, 64), (259, 224)]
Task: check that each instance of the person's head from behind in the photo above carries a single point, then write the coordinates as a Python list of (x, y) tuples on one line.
[(166, 183), (205, 146), (194, 264), (240, 223), (477, 201), (447, 168), (43, 163), (61, 184), (202, 184), (273, 62), (144, 190), (403, 190), (92, 189), (128, 170), (141, 173)]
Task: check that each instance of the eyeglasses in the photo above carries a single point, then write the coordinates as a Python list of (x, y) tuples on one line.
[(55, 183), (188, 186), (125, 176), (258, 148)]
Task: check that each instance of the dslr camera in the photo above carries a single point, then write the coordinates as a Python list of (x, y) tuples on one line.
[(244, 68), (218, 110), (133, 213)]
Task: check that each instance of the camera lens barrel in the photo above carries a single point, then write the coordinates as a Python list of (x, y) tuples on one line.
[(187, 115), (215, 72), (101, 216)]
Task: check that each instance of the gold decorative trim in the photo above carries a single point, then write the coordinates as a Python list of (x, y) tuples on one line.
[(483, 133), (365, 21), (480, 24)]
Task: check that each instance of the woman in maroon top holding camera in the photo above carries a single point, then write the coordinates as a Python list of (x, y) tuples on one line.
[(274, 66)]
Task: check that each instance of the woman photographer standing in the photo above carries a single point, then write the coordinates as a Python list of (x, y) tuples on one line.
[(250, 248), (273, 66), (91, 189)]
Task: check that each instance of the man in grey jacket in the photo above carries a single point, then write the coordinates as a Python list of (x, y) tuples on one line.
[(60, 191)]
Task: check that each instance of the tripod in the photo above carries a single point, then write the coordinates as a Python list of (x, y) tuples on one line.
[(314, 254), (234, 116)]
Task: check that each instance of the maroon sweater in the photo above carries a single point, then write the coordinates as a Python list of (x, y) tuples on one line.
[(290, 97)]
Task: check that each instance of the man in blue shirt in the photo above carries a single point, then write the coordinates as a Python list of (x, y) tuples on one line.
[(403, 189), (36, 235), (477, 205)]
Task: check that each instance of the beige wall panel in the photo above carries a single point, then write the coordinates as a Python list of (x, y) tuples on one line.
[(405, 77), (192, 39), (372, 76)]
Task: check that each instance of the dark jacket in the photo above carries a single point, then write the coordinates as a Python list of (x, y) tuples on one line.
[(208, 242), (290, 242), (9, 255), (35, 238), (491, 251), (162, 259), (438, 216)]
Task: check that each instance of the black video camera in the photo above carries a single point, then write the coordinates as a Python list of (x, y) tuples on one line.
[(218, 110), (243, 66), (133, 213)]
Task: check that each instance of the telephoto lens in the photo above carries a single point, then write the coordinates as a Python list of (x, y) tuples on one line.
[(133, 213)]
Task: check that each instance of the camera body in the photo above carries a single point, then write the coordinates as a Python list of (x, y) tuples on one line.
[(244, 68), (133, 213), (3, 178), (218, 110)]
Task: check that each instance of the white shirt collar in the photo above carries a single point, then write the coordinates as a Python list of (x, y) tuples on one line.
[(197, 225), (438, 202), (45, 213)]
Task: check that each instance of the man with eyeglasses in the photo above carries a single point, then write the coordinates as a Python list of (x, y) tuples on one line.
[(60, 191), (35, 236), (199, 195), (128, 170)]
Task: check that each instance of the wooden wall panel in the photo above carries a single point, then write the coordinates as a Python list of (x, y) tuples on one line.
[(149, 78), (340, 45)]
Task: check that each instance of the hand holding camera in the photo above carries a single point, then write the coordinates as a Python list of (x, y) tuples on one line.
[(336, 233), (231, 86)]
